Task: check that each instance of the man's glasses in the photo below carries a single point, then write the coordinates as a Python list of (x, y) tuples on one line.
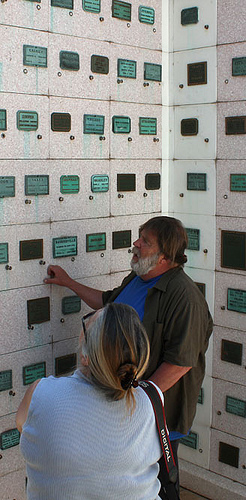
[(84, 318)]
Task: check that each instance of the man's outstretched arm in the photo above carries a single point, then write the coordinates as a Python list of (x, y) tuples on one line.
[(167, 375)]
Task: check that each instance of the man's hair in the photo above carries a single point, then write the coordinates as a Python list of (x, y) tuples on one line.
[(171, 236)]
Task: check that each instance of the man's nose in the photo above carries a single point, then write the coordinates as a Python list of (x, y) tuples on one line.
[(137, 243)]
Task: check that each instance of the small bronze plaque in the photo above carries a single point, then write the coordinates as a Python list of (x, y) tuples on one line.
[(231, 352), (93, 124), (235, 125), (31, 249), (91, 6), (126, 182), (152, 72), (121, 124), (193, 239), (99, 183), (33, 372), (27, 120), (3, 119), (126, 68), (121, 10), (121, 239), (239, 66), (35, 56), (147, 126), (36, 185), (196, 182), (38, 310), (228, 454), (60, 122), (189, 16), (95, 242), (238, 182), (7, 186), (146, 15), (9, 438), (233, 250), (202, 288), (65, 364), (236, 406), (191, 440), (197, 73), (189, 126), (152, 181), (69, 184), (99, 64), (6, 380), (201, 397), (4, 253), (65, 247), (236, 300), (71, 304), (69, 60), (65, 4)]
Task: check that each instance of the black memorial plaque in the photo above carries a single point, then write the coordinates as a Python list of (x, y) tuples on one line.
[(99, 64), (121, 124), (236, 300), (91, 6), (7, 186), (238, 182), (152, 72), (126, 68), (3, 119), (60, 122), (146, 15), (122, 10), (121, 239), (235, 125), (189, 126), (152, 181), (31, 249), (233, 250), (236, 406), (126, 182), (65, 4), (9, 438), (71, 304), (35, 56), (65, 364), (202, 287), (197, 73), (193, 239), (228, 454), (6, 380), (69, 60), (196, 181), (38, 310), (191, 440), (189, 16), (31, 373), (231, 352), (36, 185), (239, 66)]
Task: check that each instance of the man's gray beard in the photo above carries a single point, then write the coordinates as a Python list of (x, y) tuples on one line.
[(143, 266)]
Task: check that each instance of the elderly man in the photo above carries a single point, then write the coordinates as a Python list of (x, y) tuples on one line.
[(173, 311)]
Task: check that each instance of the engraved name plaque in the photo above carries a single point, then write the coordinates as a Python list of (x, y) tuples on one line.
[(126, 68), (36, 185), (236, 300), (99, 64), (93, 124), (95, 242), (121, 239), (196, 182), (3, 119), (7, 186), (71, 304), (60, 122), (152, 72), (35, 56), (146, 15), (239, 66), (31, 249), (4, 253), (233, 250), (193, 239), (121, 124), (27, 120), (228, 454), (69, 184), (238, 182), (152, 181), (9, 438), (121, 10), (33, 372), (231, 352), (6, 380), (201, 397), (197, 73), (65, 4), (191, 440), (65, 364), (189, 126), (147, 126), (38, 310), (126, 182), (235, 125), (99, 183), (69, 60), (91, 6), (64, 247), (189, 16), (236, 406)]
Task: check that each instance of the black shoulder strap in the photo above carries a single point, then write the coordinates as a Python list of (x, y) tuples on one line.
[(158, 407)]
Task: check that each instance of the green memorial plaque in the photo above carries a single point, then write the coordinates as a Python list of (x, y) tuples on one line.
[(7, 186), (121, 239), (239, 66), (36, 1), (236, 406), (35, 56), (122, 10), (65, 4), (38, 310), (202, 288), (33, 372), (64, 247), (71, 304), (201, 397), (31, 249), (4, 253), (93, 124), (235, 125), (152, 72), (27, 120), (126, 68), (121, 124), (189, 126), (91, 5), (65, 364), (99, 183), (3, 119), (197, 73), (238, 182), (146, 15), (9, 438), (69, 184), (69, 60), (191, 440), (236, 300), (189, 16), (196, 182), (193, 238), (6, 380), (152, 181), (99, 64), (233, 250), (126, 182), (36, 185), (147, 126), (231, 352), (95, 242), (228, 454), (61, 122)]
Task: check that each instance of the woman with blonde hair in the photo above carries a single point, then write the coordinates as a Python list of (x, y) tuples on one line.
[(93, 435)]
